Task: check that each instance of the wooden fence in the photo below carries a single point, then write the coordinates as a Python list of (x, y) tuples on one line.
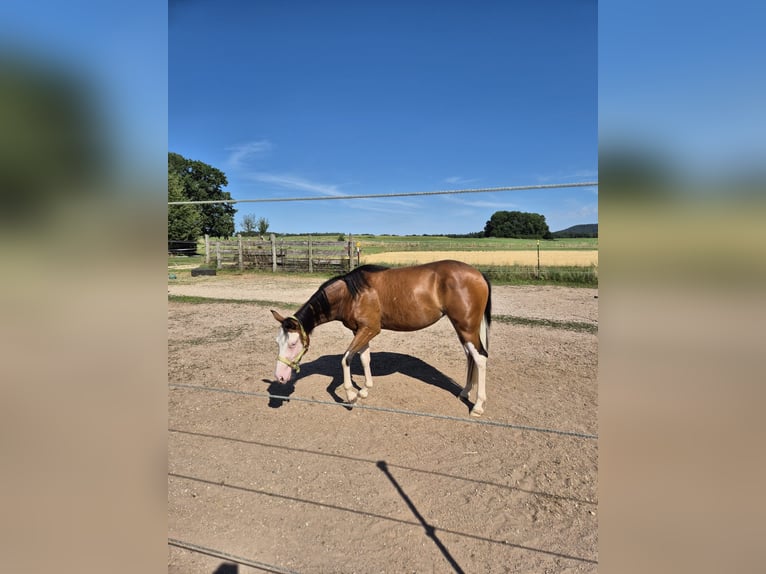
[(300, 255)]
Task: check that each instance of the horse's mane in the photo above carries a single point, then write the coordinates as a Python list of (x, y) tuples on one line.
[(319, 306), (356, 280)]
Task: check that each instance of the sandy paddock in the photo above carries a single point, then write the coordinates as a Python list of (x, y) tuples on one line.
[(314, 488)]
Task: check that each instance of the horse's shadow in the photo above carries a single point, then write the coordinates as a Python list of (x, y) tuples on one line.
[(382, 364)]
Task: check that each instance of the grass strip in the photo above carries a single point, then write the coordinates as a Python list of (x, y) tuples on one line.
[(578, 326), (196, 300)]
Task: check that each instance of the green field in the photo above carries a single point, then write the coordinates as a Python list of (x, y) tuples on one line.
[(507, 274), (384, 243), (380, 244)]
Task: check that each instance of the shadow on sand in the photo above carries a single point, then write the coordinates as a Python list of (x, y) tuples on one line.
[(383, 364)]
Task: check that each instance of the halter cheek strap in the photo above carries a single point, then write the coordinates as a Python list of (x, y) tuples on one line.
[(295, 363)]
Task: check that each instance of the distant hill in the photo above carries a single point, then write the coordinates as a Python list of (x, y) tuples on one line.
[(584, 230)]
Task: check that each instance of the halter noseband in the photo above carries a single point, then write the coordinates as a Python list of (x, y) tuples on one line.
[(295, 364)]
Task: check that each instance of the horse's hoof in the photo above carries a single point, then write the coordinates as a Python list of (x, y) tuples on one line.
[(476, 412), (363, 393), (351, 399)]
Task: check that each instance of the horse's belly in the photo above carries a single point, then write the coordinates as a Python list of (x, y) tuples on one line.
[(411, 323)]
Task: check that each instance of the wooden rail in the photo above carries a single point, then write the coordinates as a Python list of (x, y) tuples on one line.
[(297, 255)]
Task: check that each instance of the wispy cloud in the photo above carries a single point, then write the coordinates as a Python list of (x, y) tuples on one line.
[(241, 153), (295, 182), (384, 206), (578, 213), (479, 203), (458, 180), (585, 211), (300, 184), (242, 158)]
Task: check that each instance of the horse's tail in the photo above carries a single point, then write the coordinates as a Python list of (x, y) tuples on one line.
[(487, 318)]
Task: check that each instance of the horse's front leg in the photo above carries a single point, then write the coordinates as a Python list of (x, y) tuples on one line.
[(359, 344), (364, 355), (345, 364)]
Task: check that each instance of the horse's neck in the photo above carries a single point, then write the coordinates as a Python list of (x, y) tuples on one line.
[(327, 304), (309, 318), (319, 309)]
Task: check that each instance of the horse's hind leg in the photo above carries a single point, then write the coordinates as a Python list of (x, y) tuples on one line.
[(480, 376), (470, 374), (476, 372)]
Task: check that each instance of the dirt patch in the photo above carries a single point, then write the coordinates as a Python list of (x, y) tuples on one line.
[(315, 488), (547, 257)]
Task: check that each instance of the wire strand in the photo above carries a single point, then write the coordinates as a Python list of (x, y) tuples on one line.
[(389, 410), (384, 195), (225, 556)]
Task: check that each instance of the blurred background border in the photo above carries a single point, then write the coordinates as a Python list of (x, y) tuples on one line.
[(83, 154)]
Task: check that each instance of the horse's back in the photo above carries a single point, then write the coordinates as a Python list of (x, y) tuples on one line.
[(415, 297), (446, 272), (442, 268)]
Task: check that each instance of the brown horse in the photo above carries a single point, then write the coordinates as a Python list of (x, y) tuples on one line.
[(371, 298)]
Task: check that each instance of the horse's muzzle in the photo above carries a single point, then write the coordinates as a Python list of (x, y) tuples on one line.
[(283, 373)]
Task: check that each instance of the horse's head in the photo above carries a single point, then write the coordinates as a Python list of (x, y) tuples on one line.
[(293, 343)]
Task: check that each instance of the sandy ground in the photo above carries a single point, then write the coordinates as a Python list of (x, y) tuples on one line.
[(547, 257), (315, 488)]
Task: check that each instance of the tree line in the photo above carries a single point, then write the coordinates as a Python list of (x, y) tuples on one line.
[(192, 180), (524, 225), (519, 224), (514, 224)]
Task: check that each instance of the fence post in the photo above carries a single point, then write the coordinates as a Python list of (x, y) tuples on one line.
[(218, 264), (538, 259), (241, 262), (350, 252), (311, 256), (273, 239), (207, 249)]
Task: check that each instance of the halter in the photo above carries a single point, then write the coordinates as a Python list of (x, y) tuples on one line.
[(295, 364)]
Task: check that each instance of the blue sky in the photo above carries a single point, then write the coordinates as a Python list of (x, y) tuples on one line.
[(295, 99), (684, 80), (117, 53)]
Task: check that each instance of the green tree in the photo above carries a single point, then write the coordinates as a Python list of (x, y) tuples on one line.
[(203, 182), (248, 224), (53, 147), (263, 226), (184, 221), (518, 224)]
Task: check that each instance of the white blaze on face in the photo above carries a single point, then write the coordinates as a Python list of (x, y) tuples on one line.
[(289, 347)]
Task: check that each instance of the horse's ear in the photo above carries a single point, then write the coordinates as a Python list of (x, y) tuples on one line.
[(277, 316)]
